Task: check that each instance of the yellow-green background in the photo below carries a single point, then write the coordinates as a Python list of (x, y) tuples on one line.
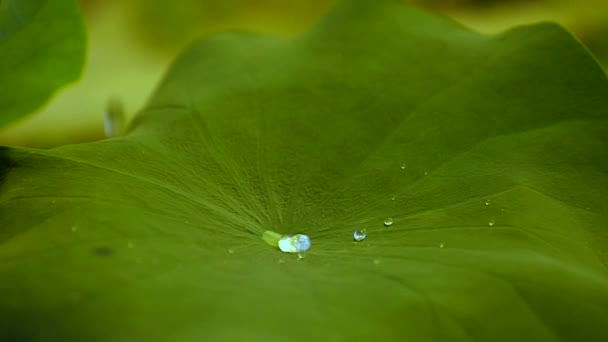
[(131, 44)]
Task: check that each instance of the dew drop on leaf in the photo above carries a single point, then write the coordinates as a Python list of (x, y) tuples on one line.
[(487, 202), (388, 222), (491, 223), (294, 244), (441, 245), (114, 119), (360, 235), (301, 256), (403, 166)]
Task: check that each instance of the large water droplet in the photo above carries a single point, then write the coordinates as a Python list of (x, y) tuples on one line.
[(388, 222), (360, 235), (294, 243)]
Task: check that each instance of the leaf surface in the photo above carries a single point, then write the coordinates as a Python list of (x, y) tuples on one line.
[(489, 154)]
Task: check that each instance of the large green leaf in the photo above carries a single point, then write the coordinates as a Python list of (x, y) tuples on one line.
[(42, 48), (489, 153)]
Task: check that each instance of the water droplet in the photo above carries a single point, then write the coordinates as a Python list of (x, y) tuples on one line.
[(376, 261), (403, 166), (426, 173), (441, 245), (294, 244), (74, 228), (487, 202), (388, 222), (360, 235), (230, 250), (114, 119), (130, 244), (393, 198), (491, 223), (301, 256)]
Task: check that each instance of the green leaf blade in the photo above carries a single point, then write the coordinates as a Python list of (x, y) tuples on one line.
[(42, 48), (499, 214)]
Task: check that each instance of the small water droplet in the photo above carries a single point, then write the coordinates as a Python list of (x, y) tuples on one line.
[(376, 261), (114, 119), (426, 173), (388, 222), (130, 244), (487, 202), (403, 166), (230, 250), (294, 244), (360, 235), (301, 256), (441, 245), (74, 228), (393, 198), (491, 223)]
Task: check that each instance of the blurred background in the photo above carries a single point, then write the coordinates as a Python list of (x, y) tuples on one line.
[(132, 43)]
